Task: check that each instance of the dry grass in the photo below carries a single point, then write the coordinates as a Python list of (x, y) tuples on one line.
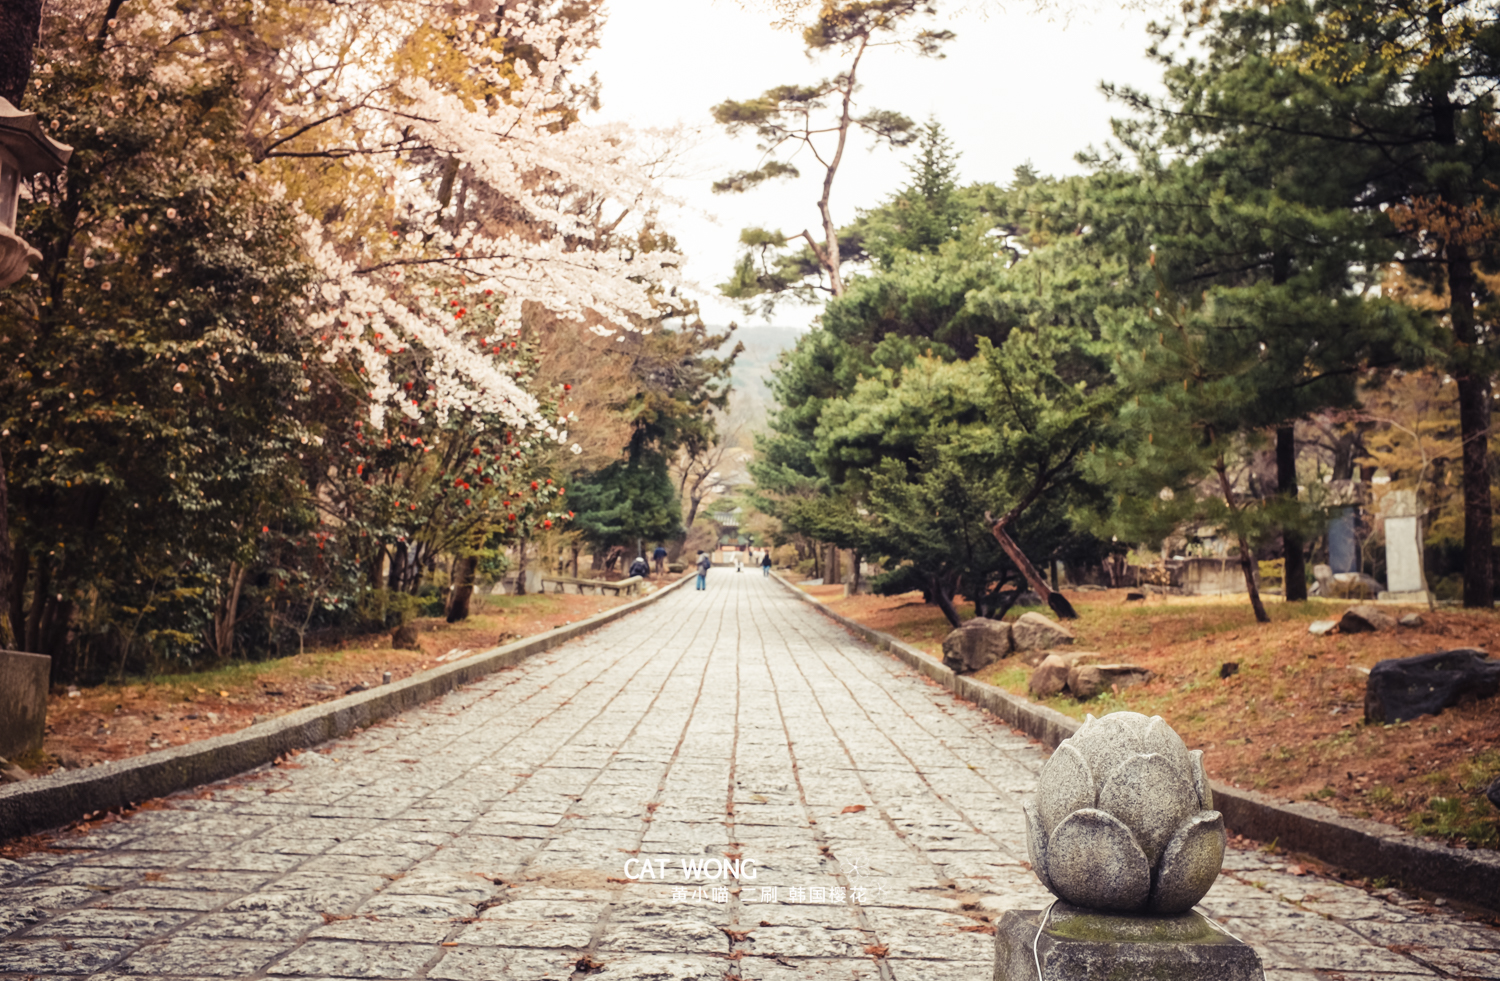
[(1291, 721), (117, 721)]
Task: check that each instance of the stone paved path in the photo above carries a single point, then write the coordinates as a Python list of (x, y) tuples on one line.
[(485, 837)]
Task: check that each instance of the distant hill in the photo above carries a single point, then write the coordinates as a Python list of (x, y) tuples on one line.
[(751, 401)]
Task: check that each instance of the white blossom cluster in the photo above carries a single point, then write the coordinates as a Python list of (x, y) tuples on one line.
[(351, 82)]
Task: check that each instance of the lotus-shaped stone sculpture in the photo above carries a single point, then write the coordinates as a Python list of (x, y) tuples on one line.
[(1123, 819)]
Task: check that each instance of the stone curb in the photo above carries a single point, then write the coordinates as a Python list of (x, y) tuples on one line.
[(57, 799), (1469, 876)]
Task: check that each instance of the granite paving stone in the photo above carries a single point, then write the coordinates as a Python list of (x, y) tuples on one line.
[(484, 836)]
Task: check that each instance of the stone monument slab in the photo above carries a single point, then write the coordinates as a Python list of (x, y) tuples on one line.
[(23, 701), (1343, 545)]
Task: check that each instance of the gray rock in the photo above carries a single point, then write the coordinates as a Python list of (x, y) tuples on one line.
[(1353, 585), (1123, 820), (977, 644), (1364, 619), (1411, 620), (1076, 943), (1034, 632), (1321, 628), (1050, 677), (1087, 680), (1407, 687)]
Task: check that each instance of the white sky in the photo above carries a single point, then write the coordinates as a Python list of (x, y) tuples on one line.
[(1014, 87)]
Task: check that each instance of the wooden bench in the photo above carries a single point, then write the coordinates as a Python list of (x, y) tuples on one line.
[(594, 587)]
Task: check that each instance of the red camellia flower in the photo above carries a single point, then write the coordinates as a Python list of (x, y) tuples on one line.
[(468, 502), (567, 388), (534, 485), (511, 517), (547, 523)]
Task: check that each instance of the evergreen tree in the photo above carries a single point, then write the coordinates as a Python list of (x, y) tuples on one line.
[(819, 118), (1263, 224)]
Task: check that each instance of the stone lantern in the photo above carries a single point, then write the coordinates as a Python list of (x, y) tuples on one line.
[(25, 151), (1124, 833)]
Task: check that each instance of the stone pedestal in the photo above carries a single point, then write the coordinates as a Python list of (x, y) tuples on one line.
[(1089, 945), (23, 702)]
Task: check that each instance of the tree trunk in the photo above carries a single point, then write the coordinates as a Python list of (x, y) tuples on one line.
[(20, 569), (226, 616), (1473, 381), (463, 588), (1474, 424), (944, 601), (1294, 570), (1055, 601), (1246, 559), (20, 21), (521, 568), (397, 573)]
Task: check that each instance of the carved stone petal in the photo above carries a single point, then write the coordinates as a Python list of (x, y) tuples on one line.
[(1107, 741), (1190, 864), (1152, 797), (1158, 737), (1036, 844), (1066, 785), (1200, 780), (1093, 861)]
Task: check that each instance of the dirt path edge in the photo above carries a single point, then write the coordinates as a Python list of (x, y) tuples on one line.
[(59, 798), (1470, 876)]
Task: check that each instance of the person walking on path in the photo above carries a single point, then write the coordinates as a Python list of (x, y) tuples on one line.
[(765, 563), (660, 558), (703, 563), (739, 563)]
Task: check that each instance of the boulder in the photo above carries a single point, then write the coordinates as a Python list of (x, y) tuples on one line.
[(1135, 597), (1034, 632), (1319, 628), (1406, 687), (1353, 585), (1087, 680), (1364, 619), (977, 644), (1410, 620), (404, 638), (1052, 667), (1050, 677)]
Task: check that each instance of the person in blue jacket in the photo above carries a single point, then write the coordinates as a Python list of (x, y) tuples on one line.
[(703, 564)]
